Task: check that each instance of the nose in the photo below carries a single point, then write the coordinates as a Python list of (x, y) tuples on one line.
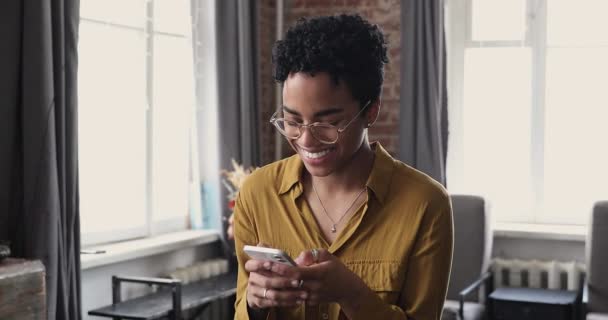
[(306, 138)]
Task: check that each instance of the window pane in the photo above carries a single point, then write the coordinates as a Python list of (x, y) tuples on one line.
[(577, 23), (112, 131), (125, 12), (576, 156), (172, 16), (498, 20), (173, 106), (496, 138)]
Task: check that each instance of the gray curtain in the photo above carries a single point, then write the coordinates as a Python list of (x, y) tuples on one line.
[(423, 127), (38, 143), (238, 111), (238, 114)]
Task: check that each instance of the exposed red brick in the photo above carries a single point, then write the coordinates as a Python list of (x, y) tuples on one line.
[(384, 129)]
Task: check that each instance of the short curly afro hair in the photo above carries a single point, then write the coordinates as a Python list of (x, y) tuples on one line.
[(346, 46)]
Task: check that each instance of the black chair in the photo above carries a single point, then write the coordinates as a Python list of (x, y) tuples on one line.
[(472, 247), (595, 297)]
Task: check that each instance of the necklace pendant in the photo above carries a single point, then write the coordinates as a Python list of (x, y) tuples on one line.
[(333, 228)]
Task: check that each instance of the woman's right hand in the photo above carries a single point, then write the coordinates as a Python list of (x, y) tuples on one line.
[(266, 288)]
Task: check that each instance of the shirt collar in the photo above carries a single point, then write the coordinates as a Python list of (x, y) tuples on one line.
[(292, 173), (378, 180)]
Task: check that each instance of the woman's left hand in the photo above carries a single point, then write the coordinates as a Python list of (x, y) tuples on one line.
[(327, 279), (230, 231)]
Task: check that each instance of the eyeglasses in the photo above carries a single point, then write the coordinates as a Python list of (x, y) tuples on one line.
[(324, 132)]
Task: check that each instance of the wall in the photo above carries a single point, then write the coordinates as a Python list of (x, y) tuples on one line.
[(385, 13)]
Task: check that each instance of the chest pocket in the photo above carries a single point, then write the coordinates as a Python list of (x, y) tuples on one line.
[(380, 276)]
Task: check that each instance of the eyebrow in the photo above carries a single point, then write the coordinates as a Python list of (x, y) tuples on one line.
[(319, 114)]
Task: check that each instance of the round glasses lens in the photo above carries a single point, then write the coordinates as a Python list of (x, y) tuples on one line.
[(289, 129), (325, 133)]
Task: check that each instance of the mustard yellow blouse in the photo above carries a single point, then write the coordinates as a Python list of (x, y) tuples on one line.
[(399, 242)]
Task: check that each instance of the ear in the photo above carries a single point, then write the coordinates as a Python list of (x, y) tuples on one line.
[(372, 113)]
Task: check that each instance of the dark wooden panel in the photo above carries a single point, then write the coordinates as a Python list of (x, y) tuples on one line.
[(22, 289)]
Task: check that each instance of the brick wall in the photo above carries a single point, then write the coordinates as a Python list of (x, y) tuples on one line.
[(266, 86), (385, 13)]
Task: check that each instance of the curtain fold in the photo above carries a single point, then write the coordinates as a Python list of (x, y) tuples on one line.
[(238, 110), (39, 209), (423, 126)]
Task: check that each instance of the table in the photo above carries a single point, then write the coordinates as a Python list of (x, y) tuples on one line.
[(533, 304), (159, 305)]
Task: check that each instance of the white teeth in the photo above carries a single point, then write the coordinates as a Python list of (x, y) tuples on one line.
[(315, 155)]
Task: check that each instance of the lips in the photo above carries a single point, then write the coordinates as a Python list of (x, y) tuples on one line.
[(315, 155)]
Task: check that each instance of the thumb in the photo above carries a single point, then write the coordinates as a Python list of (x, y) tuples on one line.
[(262, 244), (305, 259)]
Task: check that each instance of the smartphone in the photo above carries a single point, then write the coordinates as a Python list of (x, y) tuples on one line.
[(269, 254)]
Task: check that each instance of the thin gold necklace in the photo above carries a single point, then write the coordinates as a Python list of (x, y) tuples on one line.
[(333, 227)]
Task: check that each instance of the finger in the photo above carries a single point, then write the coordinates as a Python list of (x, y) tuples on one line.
[(312, 286), (305, 258), (253, 265), (263, 297), (284, 297), (315, 292), (324, 255), (262, 244), (271, 269), (285, 270), (273, 282), (313, 272), (265, 273), (262, 271), (255, 301)]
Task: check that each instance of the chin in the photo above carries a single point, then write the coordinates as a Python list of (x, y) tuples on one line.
[(320, 161), (319, 171)]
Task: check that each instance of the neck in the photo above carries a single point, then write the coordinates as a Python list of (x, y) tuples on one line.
[(352, 176)]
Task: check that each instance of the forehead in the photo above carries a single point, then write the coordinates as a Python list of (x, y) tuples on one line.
[(310, 94)]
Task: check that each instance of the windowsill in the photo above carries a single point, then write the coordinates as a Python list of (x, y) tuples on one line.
[(133, 249), (139, 248), (540, 231)]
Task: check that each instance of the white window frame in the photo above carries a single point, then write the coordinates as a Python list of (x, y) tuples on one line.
[(459, 38), (153, 227)]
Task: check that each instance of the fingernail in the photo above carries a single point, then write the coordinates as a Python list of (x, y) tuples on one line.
[(303, 295), (267, 265), (295, 283)]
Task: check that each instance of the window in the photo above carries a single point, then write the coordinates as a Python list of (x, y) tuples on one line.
[(528, 106), (136, 107)]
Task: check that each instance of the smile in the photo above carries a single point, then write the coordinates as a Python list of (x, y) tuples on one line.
[(316, 155)]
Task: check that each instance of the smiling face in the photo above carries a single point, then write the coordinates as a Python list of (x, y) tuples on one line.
[(309, 99)]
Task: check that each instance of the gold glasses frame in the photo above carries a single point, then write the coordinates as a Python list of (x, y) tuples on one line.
[(276, 122)]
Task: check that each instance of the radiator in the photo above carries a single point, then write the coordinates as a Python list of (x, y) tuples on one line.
[(538, 274)]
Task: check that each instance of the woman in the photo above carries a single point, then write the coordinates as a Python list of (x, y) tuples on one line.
[(372, 236)]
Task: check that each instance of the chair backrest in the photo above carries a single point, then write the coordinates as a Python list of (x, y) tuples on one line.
[(472, 243), (597, 259)]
